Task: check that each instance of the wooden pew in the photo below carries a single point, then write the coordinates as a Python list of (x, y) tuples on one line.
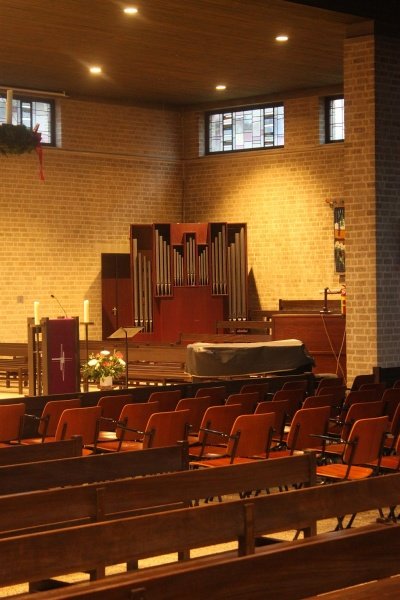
[(244, 326), (224, 338), (90, 547), (22, 513), (18, 454), (290, 571), (80, 470)]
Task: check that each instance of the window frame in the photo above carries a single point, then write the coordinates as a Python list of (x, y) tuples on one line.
[(233, 110), (328, 120), (31, 100)]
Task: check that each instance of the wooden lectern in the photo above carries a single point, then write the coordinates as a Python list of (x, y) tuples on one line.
[(53, 356)]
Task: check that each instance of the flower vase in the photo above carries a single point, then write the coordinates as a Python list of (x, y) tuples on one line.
[(106, 382)]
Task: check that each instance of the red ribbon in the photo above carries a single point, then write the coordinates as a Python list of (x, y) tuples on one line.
[(39, 151)]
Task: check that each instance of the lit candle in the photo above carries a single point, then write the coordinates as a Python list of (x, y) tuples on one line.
[(86, 311), (9, 104), (36, 313)]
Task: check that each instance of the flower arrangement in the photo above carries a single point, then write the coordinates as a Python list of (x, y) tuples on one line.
[(103, 364)]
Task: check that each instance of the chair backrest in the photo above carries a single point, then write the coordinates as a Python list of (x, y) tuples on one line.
[(111, 407), (295, 398), (254, 434), (379, 389), (298, 384), (365, 441), (360, 380), (391, 400), (220, 418), (328, 382), (11, 421), (359, 396), (166, 428), (261, 388), (247, 400), (307, 422), (135, 416), (318, 401), (53, 410), (196, 407), (79, 421), (167, 399), (394, 424), (360, 410), (217, 394), (280, 409)]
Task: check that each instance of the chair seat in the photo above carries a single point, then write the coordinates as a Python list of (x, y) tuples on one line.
[(107, 436), (335, 449), (338, 471), (209, 451), (391, 463), (223, 462)]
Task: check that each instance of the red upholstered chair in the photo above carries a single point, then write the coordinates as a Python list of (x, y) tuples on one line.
[(364, 446), (379, 389), (306, 423), (196, 407), (280, 409), (217, 394), (166, 428), (328, 382), (167, 400), (11, 423), (391, 400), (219, 418), (359, 410), (129, 427), (111, 407), (249, 438), (261, 388), (322, 400), (295, 398), (247, 400), (339, 394), (49, 419), (296, 384), (359, 380), (80, 421)]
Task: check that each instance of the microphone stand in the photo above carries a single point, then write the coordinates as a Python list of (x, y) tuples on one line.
[(325, 307)]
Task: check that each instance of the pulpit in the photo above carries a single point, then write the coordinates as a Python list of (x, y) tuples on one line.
[(53, 356)]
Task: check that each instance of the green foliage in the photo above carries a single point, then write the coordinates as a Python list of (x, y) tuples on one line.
[(17, 139)]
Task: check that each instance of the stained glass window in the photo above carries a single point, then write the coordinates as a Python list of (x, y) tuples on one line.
[(245, 129), (30, 113)]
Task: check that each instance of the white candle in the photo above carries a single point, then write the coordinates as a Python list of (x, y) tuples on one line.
[(86, 311), (36, 313), (9, 104)]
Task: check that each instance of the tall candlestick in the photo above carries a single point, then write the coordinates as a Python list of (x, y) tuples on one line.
[(86, 311), (9, 104), (36, 313)]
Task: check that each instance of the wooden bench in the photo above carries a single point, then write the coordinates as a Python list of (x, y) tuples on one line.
[(305, 306), (19, 454), (17, 368), (291, 571), (128, 497), (80, 470), (91, 547), (156, 372)]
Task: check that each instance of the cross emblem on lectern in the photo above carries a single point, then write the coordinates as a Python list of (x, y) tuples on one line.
[(62, 360)]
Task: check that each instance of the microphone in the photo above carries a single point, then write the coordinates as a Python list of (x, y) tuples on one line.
[(60, 305)]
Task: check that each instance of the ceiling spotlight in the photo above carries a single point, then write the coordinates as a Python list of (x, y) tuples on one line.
[(220, 86), (282, 38), (130, 10), (95, 70)]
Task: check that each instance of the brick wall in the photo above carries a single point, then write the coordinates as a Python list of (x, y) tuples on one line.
[(118, 165), (372, 181), (281, 194)]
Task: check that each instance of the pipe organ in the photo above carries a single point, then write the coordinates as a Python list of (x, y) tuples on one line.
[(187, 276)]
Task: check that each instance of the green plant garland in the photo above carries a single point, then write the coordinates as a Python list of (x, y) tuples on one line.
[(17, 139)]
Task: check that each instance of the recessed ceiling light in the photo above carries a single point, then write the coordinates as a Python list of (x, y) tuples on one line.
[(220, 86), (282, 38), (95, 70), (130, 10)]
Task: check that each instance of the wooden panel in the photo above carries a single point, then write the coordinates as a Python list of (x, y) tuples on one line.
[(323, 335)]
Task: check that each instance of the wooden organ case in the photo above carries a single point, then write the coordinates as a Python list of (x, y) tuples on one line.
[(186, 277)]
